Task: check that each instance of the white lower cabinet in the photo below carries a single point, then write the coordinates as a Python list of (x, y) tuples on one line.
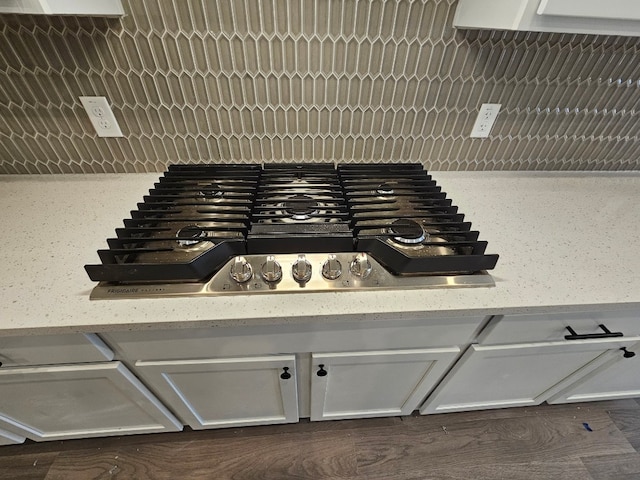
[(375, 383), (499, 376), (618, 378), (226, 392), (78, 401)]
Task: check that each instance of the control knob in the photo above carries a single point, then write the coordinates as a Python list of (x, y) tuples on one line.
[(271, 270), (360, 265), (241, 270), (331, 268), (301, 269)]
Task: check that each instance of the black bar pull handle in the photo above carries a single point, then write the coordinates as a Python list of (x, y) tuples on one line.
[(589, 336)]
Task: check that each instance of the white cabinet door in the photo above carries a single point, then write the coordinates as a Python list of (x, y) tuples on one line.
[(227, 392), (613, 17), (8, 438), (617, 378), (106, 8), (516, 375), (374, 384), (613, 9), (78, 401)]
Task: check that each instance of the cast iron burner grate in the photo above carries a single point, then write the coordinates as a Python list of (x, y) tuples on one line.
[(403, 219), (300, 208), (194, 219)]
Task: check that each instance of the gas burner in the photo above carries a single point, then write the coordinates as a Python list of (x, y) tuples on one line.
[(194, 233), (407, 232), (301, 207), (384, 189), (210, 191)]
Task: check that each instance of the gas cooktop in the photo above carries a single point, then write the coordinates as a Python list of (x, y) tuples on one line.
[(229, 229)]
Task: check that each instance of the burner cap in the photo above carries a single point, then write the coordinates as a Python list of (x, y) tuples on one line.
[(301, 207), (385, 189), (211, 190), (407, 231), (191, 231)]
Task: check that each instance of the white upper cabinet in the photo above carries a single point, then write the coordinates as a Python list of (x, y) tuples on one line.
[(97, 8), (613, 17), (613, 9)]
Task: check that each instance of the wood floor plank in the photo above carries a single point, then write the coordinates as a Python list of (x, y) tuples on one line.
[(569, 409), (570, 470), (553, 437), (295, 456), (628, 421), (613, 467), (91, 463), (26, 467), (531, 443)]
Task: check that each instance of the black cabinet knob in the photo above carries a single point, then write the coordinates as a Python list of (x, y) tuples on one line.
[(627, 353), (285, 375), (321, 372)]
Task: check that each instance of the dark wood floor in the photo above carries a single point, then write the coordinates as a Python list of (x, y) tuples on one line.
[(546, 442)]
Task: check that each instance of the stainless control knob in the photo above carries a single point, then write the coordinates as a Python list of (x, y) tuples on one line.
[(331, 268), (301, 269), (241, 270), (271, 270), (360, 265)]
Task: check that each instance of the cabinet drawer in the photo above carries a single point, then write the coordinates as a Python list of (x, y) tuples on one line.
[(53, 349), (267, 340), (553, 327)]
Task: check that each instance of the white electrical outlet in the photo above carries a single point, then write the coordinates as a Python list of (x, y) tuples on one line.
[(101, 116), (485, 120)]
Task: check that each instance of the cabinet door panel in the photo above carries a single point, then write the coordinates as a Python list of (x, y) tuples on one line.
[(515, 375), (227, 392), (9, 438), (79, 401), (374, 384), (618, 378)]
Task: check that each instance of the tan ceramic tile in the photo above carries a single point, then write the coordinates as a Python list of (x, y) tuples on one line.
[(303, 80)]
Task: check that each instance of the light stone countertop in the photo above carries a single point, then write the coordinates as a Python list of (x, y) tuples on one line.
[(568, 242)]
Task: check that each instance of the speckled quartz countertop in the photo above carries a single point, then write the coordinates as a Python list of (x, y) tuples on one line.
[(567, 242)]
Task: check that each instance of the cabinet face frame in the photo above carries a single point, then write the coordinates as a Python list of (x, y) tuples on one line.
[(602, 350), (158, 374), (436, 361), (114, 375)]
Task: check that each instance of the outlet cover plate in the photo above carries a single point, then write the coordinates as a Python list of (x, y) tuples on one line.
[(485, 120), (101, 116)]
